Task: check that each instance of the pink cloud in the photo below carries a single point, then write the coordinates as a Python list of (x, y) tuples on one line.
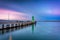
[(13, 15), (52, 11)]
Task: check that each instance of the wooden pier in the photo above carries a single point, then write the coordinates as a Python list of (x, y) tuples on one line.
[(9, 25)]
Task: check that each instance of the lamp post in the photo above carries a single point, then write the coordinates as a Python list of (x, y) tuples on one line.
[(8, 16)]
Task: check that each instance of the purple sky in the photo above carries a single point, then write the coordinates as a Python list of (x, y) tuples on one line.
[(42, 10)]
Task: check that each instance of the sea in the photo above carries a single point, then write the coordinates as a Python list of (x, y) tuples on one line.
[(38, 31)]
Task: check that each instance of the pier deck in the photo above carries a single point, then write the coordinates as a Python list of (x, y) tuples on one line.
[(8, 25)]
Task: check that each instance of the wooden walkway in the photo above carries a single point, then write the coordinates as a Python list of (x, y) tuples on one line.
[(9, 25)]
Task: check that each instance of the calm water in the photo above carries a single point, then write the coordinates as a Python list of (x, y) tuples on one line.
[(40, 31)]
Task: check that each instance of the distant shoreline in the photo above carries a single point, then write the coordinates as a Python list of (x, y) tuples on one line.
[(48, 21)]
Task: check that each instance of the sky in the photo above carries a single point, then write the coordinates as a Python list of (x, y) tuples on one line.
[(25, 9)]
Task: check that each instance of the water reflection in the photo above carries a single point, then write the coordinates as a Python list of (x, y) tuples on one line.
[(33, 25), (9, 30), (41, 31)]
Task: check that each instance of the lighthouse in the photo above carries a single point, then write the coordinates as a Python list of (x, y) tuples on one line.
[(33, 19)]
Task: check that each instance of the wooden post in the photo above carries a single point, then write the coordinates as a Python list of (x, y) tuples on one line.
[(2, 26), (10, 25), (14, 25)]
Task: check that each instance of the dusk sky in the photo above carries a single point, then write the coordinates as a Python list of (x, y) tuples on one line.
[(23, 10)]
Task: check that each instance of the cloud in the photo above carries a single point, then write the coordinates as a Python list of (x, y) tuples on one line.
[(13, 15)]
